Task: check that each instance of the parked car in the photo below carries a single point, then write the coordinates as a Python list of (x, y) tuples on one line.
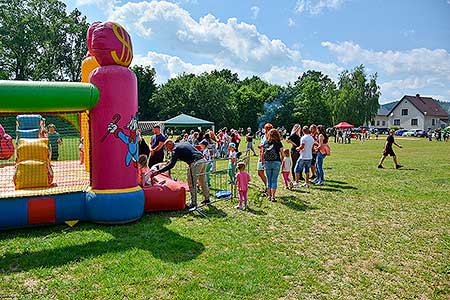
[(409, 133), (400, 132), (420, 133)]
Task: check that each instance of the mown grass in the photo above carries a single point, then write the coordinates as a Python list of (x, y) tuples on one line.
[(366, 234)]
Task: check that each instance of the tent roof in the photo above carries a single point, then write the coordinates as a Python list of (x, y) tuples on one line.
[(187, 121), (343, 125)]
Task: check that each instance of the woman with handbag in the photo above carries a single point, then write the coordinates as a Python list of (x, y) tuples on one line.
[(323, 151)]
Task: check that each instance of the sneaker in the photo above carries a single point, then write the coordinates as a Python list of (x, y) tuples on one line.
[(238, 207), (398, 166), (319, 183), (274, 200), (191, 206), (380, 167), (305, 185), (291, 185), (206, 202), (295, 184)]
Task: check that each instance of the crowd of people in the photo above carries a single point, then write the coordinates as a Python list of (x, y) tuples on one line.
[(299, 166)]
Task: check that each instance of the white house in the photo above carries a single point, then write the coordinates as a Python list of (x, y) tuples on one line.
[(417, 112), (381, 120)]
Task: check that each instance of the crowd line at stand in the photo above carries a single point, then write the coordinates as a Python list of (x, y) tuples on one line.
[(300, 166)]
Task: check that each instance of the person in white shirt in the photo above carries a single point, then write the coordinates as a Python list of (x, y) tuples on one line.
[(304, 161)]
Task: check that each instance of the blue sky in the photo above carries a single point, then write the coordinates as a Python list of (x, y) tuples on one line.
[(406, 42)]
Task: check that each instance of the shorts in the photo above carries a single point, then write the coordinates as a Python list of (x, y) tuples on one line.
[(314, 157), (302, 164), (387, 152), (260, 166)]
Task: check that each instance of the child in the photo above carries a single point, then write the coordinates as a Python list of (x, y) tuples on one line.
[(207, 156), (142, 170), (55, 140), (242, 180), (232, 162), (286, 168), (81, 148)]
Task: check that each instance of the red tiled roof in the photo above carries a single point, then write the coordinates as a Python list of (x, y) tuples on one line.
[(426, 104)]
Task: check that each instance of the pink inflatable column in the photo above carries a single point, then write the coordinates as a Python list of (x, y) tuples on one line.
[(114, 145)]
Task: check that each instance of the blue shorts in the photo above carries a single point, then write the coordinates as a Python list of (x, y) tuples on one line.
[(302, 164)]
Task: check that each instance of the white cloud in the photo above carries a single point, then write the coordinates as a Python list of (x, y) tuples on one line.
[(291, 22), (235, 44), (315, 7), (107, 5), (170, 66), (420, 70), (416, 61), (255, 11), (282, 75)]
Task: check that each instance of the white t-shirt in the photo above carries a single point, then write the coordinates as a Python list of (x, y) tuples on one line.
[(308, 141), (287, 164)]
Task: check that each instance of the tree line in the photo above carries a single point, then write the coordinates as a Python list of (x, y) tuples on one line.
[(221, 97), (39, 40)]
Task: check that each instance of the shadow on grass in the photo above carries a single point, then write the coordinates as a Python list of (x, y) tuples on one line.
[(256, 211), (295, 203), (340, 187), (149, 234)]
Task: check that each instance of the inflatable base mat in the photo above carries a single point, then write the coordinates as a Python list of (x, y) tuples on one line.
[(164, 194)]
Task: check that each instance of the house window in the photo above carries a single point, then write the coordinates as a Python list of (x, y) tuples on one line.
[(433, 122), (372, 123), (384, 123), (378, 122), (414, 122), (404, 112), (397, 122)]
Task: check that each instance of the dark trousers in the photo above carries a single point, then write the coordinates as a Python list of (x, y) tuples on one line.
[(156, 158), (294, 157)]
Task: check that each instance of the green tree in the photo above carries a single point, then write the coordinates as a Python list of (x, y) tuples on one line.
[(314, 94), (357, 100), (39, 41), (146, 88)]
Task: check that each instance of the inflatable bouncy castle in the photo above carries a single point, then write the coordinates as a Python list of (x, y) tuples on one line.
[(82, 166)]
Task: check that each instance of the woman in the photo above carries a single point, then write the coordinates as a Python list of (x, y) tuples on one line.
[(294, 140), (323, 150), (260, 166), (273, 152)]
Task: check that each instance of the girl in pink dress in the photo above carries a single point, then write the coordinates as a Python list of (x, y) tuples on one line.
[(242, 180)]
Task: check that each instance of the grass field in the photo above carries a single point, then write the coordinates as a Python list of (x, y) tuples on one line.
[(366, 234)]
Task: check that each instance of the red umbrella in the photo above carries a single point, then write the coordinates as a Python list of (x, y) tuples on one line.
[(344, 125)]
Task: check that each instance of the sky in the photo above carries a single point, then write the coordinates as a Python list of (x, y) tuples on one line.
[(406, 42)]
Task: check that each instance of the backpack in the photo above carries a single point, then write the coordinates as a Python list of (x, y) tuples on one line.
[(270, 153)]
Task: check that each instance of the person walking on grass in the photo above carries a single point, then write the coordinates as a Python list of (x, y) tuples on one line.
[(273, 152), (304, 161), (389, 151)]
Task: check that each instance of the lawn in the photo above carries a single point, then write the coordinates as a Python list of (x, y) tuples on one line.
[(366, 234)]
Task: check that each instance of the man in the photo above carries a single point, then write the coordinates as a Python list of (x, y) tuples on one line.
[(156, 146), (249, 138), (304, 160), (184, 151), (389, 151)]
